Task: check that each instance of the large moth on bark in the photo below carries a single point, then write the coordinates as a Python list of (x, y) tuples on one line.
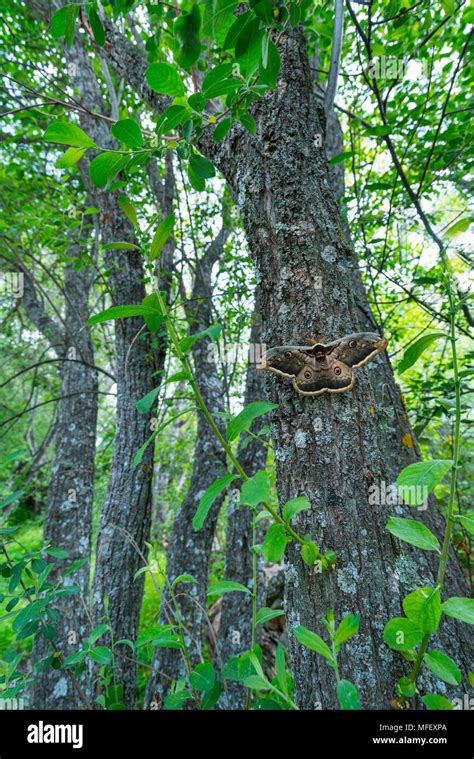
[(324, 368)]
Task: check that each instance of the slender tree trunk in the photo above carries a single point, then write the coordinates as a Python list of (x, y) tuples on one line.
[(235, 627), (189, 550), (68, 519)]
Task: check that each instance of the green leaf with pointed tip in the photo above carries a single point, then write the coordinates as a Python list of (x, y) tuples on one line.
[(203, 677), (423, 606), (105, 167), (459, 608), (294, 506), (347, 628), (414, 351), (66, 133), (128, 132), (265, 614), (163, 78), (63, 23), (163, 232), (273, 546), (416, 481), (226, 586), (443, 666), (244, 419), (435, 702), (413, 532), (120, 312), (255, 490), (312, 641), (210, 495)]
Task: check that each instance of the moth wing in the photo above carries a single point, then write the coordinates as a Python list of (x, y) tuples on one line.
[(330, 376), (357, 349), (286, 360)]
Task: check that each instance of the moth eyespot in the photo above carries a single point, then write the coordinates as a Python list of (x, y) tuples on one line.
[(352, 343), (288, 354), (337, 370), (307, 374)]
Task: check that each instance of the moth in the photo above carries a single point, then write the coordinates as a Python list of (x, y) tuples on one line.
[(324, 367)]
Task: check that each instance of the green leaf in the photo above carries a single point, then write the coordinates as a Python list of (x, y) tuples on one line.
[(294, 507), (309, 552), (66, 133), (184, 578), (163, 78), (243, 420), (382, 130), (256, 682), (70, 158), (121, 312), (406, 687), (312, 641), (423, 606), (144, 404), (459, 608), (413, 532), (255, 490), (119, 246), (460, 226), (221, 129), (163, 232), (347, 695), (128, 209), (128, 132), (443, 667), (402, 634), (212, 492), (105, 167), (101, 654), (57, 553), (213, 332), (97, 633), (11, 498), (435, 702), (203, 677), (171, 118), (226, 586), (265, 614), (273, 546), (63, 23), (218, 18), (186, 30), (96, 25), (154, 319), (347, 629), (248, 47), (201, 166), (417, 480), (467, 520), (249, 123), (340, 157), (268, 74), (414, 351), (219, 81)]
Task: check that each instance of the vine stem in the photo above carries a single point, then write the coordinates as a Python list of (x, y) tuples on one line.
[(456, 446), (202, 405)]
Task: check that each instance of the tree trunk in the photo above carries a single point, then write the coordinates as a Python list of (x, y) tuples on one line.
[(329, 448), (189, 550), (68, 519), (235, 627)]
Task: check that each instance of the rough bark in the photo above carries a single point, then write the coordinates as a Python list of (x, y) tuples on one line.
[(235, 627), (68, 518), (125, 514), (333, 447), (189, 550)]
